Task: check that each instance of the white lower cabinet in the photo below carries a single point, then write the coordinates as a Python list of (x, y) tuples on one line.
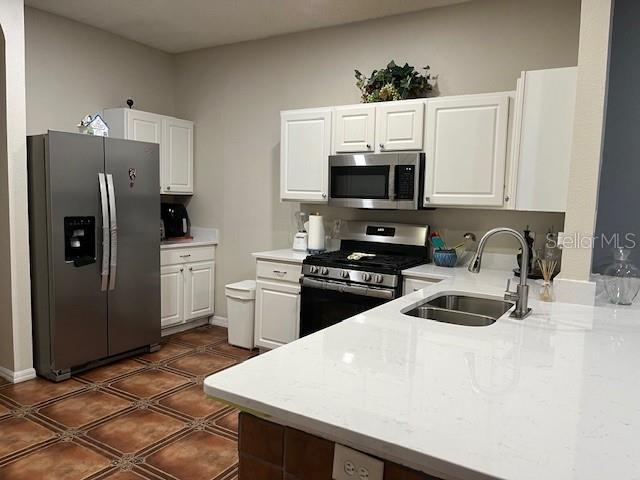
[(199, 291), (413, 284), (171, 295), (277, 319), (186, 284)]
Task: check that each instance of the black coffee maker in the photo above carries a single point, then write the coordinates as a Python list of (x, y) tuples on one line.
[(175, 220)]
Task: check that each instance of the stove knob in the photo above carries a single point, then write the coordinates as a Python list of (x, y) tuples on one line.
[(344, 273), (313, 269), (366, 276), (377, 278), (324, 271)]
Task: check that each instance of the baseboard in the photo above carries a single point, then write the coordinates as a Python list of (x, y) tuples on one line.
[(219, 321), (19, 376), (581, 292), (198, 322)]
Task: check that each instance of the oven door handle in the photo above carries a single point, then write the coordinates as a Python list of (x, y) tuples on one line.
[(362, 291)]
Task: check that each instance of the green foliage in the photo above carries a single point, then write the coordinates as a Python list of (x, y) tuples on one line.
[(393, 83)]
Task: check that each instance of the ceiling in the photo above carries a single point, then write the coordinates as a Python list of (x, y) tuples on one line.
[(182, 25)]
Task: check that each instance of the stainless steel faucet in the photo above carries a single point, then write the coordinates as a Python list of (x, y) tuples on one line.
[(521, 295)]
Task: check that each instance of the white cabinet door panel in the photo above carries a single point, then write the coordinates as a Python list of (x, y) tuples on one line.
[(171, 295), (144, 126), (177, 170), (277, 313), (199, 290), (466, 150), (399, 126), (543, 138), (354, 128), (304, 155)]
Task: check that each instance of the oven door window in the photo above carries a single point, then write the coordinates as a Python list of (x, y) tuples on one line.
[(360, 182), (323, 308)]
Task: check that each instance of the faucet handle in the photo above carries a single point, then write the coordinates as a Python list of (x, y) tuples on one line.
[(508, 294)]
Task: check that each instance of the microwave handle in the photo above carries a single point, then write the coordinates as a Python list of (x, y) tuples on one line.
[(392, 180)]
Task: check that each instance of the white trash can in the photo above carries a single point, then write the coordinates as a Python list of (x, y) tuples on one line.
[(241, 299)]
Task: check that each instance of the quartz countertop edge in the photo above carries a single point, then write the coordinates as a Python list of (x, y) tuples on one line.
[(201, 237), (283, 255), (519, 399)]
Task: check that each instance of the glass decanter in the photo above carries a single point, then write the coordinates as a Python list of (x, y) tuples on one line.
[(622, 278)]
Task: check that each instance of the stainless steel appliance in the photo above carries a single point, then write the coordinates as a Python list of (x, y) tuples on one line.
[(175, 219), (376, 180), (364, 273), (95, 251)]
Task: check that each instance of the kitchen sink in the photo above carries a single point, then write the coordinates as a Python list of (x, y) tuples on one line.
[(461, 310)]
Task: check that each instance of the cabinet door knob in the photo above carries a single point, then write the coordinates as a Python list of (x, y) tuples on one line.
[(382, 146), (507, 198), (368, 146), (191, 269), (168, 187), (426, 199), (324, 195), (182, 269)]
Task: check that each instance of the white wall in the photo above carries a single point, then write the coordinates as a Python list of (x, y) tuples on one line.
[(15, 293), (234, 94), (73, 70)]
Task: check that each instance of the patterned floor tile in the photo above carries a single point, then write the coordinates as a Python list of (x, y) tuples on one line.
[(198, 456), (39, 390), (236, 352), (202, 336), (193, 402), (202, 363), (113, 370), (123, 475), (150, 383), (182, 450), (167, 351), (229, 421), (85, 408), (150, 427), (60, 461), (20, 433)]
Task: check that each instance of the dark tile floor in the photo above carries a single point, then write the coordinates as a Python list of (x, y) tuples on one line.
[(141, 418)]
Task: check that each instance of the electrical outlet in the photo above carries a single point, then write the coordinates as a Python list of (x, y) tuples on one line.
[(350, 464)]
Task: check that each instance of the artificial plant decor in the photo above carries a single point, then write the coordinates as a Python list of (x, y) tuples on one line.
[(394, 83)]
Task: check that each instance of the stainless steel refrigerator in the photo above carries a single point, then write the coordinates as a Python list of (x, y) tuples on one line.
[(94, 209)]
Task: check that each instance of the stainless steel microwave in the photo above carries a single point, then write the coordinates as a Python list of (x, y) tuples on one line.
[(391, 181)]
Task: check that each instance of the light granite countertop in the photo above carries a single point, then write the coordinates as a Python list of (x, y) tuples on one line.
[(553, 396)]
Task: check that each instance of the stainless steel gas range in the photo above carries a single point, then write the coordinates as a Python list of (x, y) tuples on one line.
[(364, 273)]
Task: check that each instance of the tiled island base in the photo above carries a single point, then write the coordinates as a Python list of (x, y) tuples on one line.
[(269, 451)]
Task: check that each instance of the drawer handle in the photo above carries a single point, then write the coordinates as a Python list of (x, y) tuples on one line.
[(279, 272), (185, 256)]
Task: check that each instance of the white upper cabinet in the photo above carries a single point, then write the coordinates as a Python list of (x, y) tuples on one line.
[(177, 169), (305, 145), (543, 133), (399, 126), (466, 149), (354, 128), (174, 136), (144, 126)]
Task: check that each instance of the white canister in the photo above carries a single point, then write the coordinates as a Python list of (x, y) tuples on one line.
[(316, 233)]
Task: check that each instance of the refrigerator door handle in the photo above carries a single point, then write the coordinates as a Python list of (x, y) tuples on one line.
[(104, 273), (113, 229)]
